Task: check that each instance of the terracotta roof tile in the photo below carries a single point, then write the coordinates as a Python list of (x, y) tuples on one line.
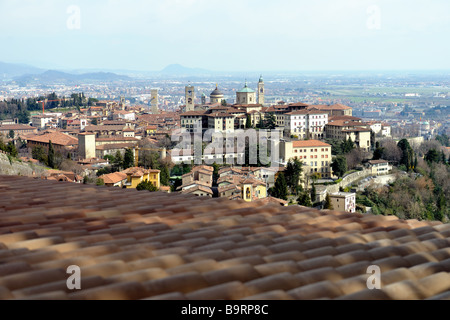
[(176, 246)]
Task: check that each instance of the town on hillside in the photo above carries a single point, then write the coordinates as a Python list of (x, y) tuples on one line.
[(327, 157)]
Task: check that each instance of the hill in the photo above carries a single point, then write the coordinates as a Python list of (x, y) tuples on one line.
[(11, 70), (52, 76)]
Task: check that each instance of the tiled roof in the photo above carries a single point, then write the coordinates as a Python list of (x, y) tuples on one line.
[(267, 200), (142, 245), (117, 139), (119, 127), (337, 106), (193, 113), (198, 187), (16, 127), (349, 118), (346, 123), (309, 143), (113, 178), (299, 112), (203, 168), (56, 138), (378, 161)]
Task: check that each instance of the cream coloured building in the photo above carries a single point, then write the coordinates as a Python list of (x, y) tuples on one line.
[(190, 119), (359, 132), (246, 96), (221, 122), (343, 201), (315, 155)]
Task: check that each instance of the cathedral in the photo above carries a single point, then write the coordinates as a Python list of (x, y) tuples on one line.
[(245, 96)]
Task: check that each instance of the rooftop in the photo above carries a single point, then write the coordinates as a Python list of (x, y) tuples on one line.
[(309, 143), (56, 138), (179, 246)]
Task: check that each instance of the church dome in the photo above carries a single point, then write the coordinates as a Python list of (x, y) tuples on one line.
[(216, 93), (246, 89)]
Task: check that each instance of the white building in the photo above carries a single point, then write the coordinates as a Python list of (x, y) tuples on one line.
[(40, 121), (306, 124), (124, 115), (343, 201), (380, 167)]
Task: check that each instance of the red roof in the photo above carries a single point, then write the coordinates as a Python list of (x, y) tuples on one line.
[(309, 143)]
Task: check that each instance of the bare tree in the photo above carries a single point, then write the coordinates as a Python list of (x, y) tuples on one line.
[(427, 146), (356, 157), (391, 151)]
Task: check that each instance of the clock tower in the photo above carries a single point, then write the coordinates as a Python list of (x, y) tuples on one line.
[(154, 101), (190, 96), (261, 90)]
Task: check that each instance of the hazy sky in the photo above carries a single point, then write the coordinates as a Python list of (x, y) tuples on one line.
[(250, 35)]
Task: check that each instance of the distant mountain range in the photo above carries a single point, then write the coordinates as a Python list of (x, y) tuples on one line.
[(25, 74), (179, 70), (52, 76), (11, 70)]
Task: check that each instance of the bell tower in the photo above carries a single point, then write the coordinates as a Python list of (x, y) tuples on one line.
[(154, 101), (190, 96), (261, 90)]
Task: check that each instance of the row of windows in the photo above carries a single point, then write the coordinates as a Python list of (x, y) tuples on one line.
[(311, 150), (314, 164), (312, 117), (314, 157)]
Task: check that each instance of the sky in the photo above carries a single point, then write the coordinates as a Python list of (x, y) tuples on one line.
[(227, 35)]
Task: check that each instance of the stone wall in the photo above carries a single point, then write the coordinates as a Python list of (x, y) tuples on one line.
[(346, 181), (18, 168)]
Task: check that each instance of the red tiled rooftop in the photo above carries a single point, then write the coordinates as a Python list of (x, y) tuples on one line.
[(142, 245)]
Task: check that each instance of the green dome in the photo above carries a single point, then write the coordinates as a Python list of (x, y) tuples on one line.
[(246, 89)]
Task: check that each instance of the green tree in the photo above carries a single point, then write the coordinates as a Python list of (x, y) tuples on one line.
[(339, 166), (293, 172), (313, 193), (432, 156), (328, 204), (444, 140), (248, 122), (99, 182), (109, 157), (407, 154), (39, 154), (11, 149), (128, 159), (347, 146), (51, 155), (280, 189), (378, 152), (118, 161), (24, 116), (94, 122), (443, 160), (304, 199), (146, 185), (224, 103), (165, 175), (11, 134)]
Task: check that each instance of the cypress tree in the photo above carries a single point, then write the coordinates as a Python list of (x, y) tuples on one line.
[(51, 155)]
